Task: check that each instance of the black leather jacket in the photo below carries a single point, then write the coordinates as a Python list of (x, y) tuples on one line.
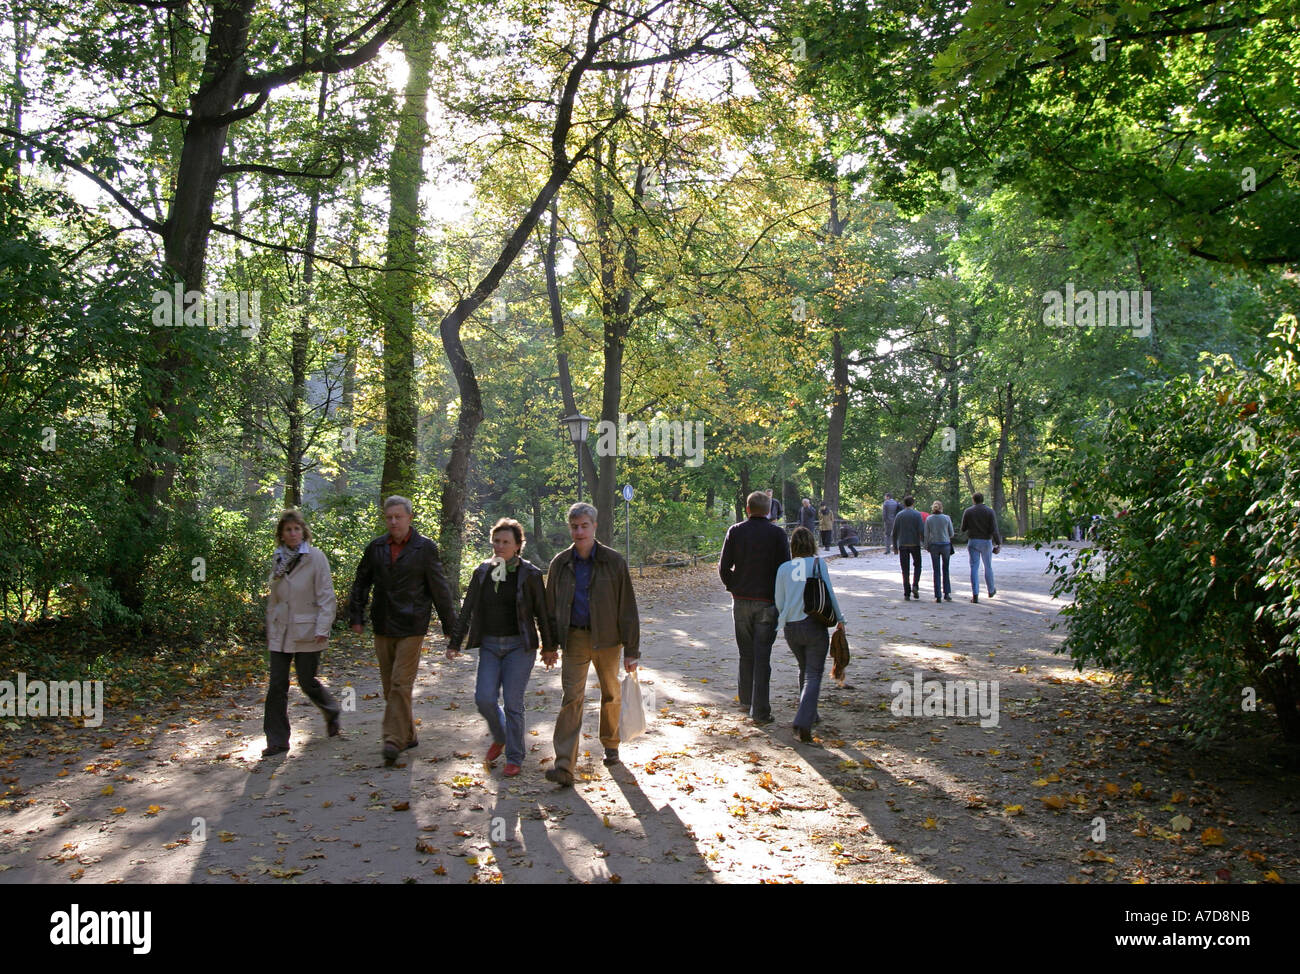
[(530, 608), (406, 590)]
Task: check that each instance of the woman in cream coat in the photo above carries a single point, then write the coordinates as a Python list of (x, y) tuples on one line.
[(299, 613)]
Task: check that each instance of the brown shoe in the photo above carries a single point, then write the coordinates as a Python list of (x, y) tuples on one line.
[(560, 776)]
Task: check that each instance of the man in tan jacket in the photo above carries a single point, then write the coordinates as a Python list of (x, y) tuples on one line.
[(590, 600)]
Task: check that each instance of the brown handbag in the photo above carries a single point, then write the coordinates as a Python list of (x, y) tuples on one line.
[(839, 654)]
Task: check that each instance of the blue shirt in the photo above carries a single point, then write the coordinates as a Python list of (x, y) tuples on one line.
[(789, 593), (580, 615)]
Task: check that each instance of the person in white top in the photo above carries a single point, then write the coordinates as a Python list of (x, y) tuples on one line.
[(299, 612), (808, 639)]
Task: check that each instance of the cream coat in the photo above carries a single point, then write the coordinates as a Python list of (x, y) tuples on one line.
[(301, 606)]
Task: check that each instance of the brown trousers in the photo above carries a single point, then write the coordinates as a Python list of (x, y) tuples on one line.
[(575, 662), (399, 660)]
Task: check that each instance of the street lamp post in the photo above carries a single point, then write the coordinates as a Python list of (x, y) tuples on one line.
[(577, 425)]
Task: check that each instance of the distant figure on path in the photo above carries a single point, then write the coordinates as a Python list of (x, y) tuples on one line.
[(848, 539), (299, 612), (808, 639), (751, 554), (938, 541), (504, 607), (808, 516), (590, 599), (825, 524), (404, 569), (980, 525), (890, 511), (774, 511), (908, 531)]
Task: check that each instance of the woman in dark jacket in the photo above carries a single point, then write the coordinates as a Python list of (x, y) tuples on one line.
[(504, 608)]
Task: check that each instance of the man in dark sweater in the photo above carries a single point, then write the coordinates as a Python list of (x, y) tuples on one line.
[(909, 527), (753, 551), (983, 541)]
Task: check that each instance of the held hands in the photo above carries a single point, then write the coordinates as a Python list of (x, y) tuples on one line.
[(322, 639), (451, 651), (550, 658), (356, 627)]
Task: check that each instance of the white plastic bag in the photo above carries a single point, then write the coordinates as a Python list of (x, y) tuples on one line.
[(638, 704)]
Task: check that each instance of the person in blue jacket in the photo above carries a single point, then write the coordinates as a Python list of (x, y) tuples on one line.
[(808, 640)]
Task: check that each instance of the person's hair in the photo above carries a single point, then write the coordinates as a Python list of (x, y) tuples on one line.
[(936, 507), (291, 516), (889, 495), (581, 510), (802, 543), (825, 509), (769, 492), (909, 500), (977, 498), (511, 525), (807, 500), (396, 501), (758, 503)]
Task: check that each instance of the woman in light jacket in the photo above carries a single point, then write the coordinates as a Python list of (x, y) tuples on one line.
[(938, 541), (505, 606), (299, 613), (808, 640)]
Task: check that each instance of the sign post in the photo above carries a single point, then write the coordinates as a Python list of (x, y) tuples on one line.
[(628, 492)]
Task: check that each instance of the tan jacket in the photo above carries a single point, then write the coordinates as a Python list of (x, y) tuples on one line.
[(614, 619), (301, 606)]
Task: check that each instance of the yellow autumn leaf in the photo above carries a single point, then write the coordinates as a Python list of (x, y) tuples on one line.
[(120, 810), (1212, 836), (930, 823), (1053, 801), (1014, 809), (1180, 823), (153, 810), (108, 790), (1272, 877), (1041, 783)]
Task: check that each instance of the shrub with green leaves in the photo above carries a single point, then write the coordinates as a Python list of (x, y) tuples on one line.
[(1195, 577)]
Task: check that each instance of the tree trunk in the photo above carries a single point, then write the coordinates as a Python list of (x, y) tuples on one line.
[(997, 469), (589, 472), (839, 384), (397, 286), (302, 330)]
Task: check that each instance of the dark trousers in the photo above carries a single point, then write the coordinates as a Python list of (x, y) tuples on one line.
[(826, 539), (275, 718), (889, 535), (939, 555), (914, 553), (850, 546), (755, 633)]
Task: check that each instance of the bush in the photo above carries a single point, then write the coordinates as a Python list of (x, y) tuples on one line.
[(1195, 579)]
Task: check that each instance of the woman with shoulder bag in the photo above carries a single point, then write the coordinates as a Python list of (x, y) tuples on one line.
[(299, 612), (808, 637), (938, 541), (504, 608)]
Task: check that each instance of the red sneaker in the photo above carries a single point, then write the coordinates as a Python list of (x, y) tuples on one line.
[(511, 770), (494, 752)]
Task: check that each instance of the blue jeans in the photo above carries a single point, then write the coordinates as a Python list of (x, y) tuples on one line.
[(939, 555), (504, 665), (755, 633), (810, 642), (977, 549)]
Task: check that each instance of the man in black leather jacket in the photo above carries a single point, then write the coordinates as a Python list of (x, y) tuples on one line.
[(404, 569)]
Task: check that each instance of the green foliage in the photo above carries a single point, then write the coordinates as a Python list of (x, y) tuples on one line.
[(1195, 577)]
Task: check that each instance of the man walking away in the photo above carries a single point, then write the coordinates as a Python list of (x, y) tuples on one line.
[(983, 542), (889, 512), (752, 552), (909, 528), (404, 569)]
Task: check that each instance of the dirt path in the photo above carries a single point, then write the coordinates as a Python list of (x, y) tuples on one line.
[(182, 795)]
